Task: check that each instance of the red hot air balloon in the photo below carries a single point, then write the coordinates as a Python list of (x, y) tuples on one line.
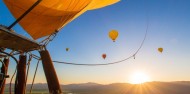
[(104, 56)]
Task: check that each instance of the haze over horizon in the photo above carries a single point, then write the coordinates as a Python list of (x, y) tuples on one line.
[(119, 88)]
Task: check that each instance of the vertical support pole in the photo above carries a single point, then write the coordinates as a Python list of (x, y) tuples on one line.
[(4, 70), (50, 73), (21, 75)]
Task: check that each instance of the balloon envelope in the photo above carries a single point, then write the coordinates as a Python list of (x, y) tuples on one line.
[(160, 50), (113, 34), (104, 56)]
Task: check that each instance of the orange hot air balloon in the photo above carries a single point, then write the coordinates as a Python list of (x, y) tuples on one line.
[(160, 50), (67, 49), (104, 56), (58, 12), (113, 34)]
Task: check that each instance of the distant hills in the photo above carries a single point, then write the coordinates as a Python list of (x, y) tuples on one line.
[(178, 87)]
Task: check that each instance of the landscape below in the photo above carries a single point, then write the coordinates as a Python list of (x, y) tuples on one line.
[(178, 87)]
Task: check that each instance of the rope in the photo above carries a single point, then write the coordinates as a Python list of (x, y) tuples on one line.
[(29, 60), (16, 82), (49, 38), (34, 77), (110, 62), (93, 64), (10, 87), (142, 43), (35, 56), (134, 55)]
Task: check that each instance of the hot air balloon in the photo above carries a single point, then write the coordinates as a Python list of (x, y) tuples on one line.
[(49, 16), (160, 50), (67, 49), (104, 56), (113, 34)]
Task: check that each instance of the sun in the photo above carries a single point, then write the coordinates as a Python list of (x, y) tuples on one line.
[(139, 78)]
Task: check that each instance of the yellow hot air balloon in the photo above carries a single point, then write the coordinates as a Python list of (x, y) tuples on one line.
[(113, 34), (160, 50), (67, 49)]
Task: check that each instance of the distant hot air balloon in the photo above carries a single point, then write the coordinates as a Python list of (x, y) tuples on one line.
[(113, 34), (160, 50), (67, 49), (104, 56)]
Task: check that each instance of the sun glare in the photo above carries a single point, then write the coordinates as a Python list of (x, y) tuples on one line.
[(139, 78)]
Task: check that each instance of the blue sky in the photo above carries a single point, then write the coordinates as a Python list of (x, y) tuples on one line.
[(87, 38)]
